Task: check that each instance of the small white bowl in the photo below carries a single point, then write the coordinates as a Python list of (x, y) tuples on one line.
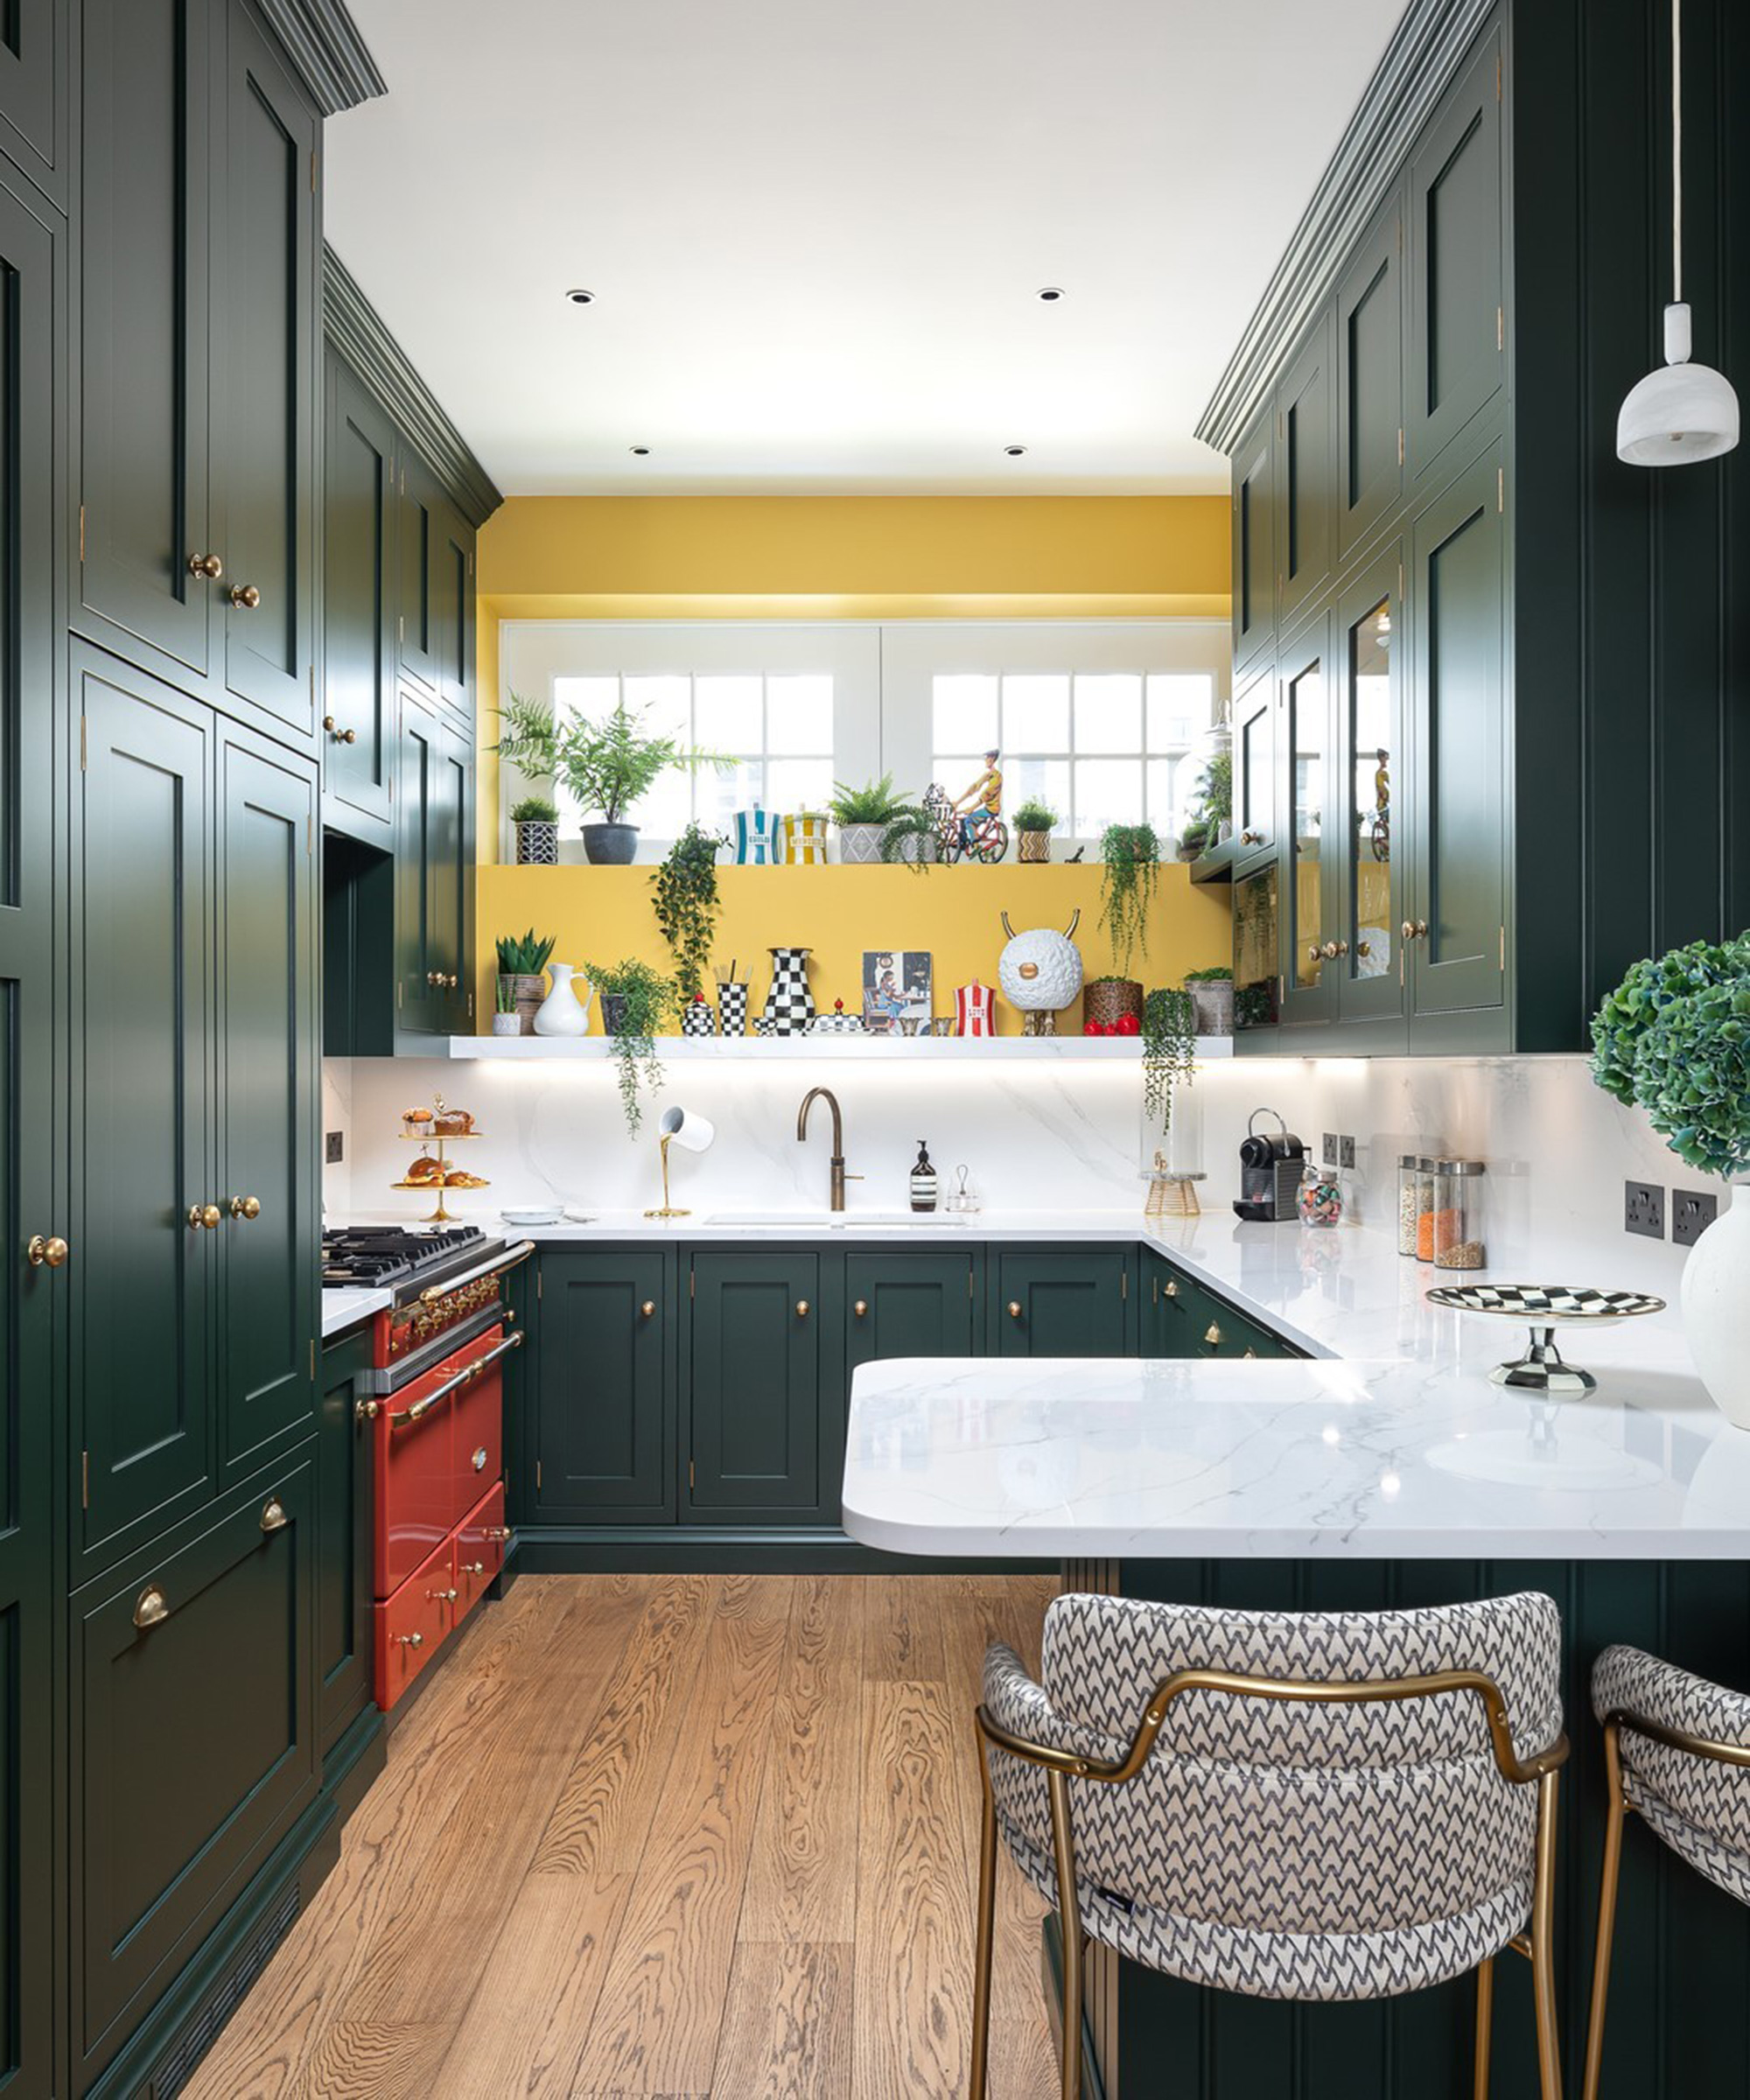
[(544, 1214)]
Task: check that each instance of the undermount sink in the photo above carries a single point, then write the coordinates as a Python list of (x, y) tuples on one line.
[(831, 1221)]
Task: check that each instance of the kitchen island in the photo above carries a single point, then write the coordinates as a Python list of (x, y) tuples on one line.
[(1396, 1477)]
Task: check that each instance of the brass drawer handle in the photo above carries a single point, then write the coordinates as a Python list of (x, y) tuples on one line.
[(274, 1517), (443, 1596), (244, 596), (203, 1216), (1213, 1335), (1251, 838), (151, 1607), (861, 1308), (802, 1308), (245, 1208), (411, 1640), (1014, 1308), (499, 1532), (365, 1410), (473, 1567), (1172, 1291), (46, 1253), (206, 565), (648, 1308)]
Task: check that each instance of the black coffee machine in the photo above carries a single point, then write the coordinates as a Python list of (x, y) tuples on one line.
[(1269, 1175)]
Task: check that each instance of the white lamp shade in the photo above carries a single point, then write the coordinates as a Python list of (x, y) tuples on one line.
[(692, 1133), (1680, 413)]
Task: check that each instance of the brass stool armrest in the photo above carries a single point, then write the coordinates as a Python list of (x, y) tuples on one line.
[(1674, 1738)]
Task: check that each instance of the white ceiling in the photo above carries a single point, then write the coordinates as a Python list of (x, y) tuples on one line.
[(815, 229)]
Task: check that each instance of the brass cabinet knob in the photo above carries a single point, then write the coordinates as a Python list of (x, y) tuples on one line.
[(207, 565), (861, 1308), (1250, 1356), (365, 1410), (1341, 947), (802, 1308), (411, 1640), (46, 1253), (1212, 1334), (151, 1607), (245, 1208), (1172, 1291), (1414, 929), (244, 596), (1014, 1308), (1421, 929), (472, 1567), (339, 735), (648, 1308), (434, 978), (274, 1517), (1330, 951), (203, 1216), (1251, 838), (478, 1461), (496, 1531), (1363, 948)]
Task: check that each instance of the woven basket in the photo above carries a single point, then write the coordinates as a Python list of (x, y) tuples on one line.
[(1112, 1000)]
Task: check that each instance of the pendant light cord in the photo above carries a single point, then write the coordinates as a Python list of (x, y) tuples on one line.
[(1677, 153)]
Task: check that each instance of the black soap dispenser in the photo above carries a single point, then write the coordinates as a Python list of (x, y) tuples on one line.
[(924, 1186)]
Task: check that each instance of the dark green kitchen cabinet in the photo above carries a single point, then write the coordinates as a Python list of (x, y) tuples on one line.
[(1457, 890), (1048, 1304), (358, 611), (910, 1304), (433, 871), (1254, 542), (1458, 327), (269, 1190), (35, 68), (1181, 1318), (1304, 461), (342, 1606), (1369, 648), (33, 1282), (1255, 710), (192, 1729), (757, 1332), (1370, 332), (436, 562), (600, 1389), (1309, 848)]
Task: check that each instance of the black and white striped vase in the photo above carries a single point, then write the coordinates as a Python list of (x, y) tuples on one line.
[(731, 1009), (789, 1003)]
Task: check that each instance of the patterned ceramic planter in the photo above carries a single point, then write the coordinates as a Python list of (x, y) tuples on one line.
[(859, 845), (1035, 845), (537, 845), (1110, 999), (695, 1017), (1213, 1005), (789, 1003), (731, 1009)]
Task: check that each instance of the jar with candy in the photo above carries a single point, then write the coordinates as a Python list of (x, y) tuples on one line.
[(1321, 1196), (1425, 1210), (1408, 1166), (1458, 1213)]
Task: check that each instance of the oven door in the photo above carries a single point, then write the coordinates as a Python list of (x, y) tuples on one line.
[(427, 1435)]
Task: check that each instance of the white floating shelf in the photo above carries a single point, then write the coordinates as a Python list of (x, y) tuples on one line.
[(764, 1049)]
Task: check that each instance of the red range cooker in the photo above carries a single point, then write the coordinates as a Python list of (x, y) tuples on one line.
[(435, 1400)]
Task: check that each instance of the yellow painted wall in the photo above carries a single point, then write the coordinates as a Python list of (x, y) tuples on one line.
[(604, 915)]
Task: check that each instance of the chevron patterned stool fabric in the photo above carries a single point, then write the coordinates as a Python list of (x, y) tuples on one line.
[(1289, 1830), (1678, 1754)]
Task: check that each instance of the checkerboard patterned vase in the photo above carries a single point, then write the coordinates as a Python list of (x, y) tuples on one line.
[(731, 1009), (756, 837), (789, 1003), (695, 1017), (975, 1010), (804, 841)]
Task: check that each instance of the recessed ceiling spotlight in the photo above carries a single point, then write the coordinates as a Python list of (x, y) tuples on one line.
[(1051, 293), (641, 451), (578, 297), (1014, 452)]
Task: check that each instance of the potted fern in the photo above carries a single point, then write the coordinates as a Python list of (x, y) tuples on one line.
[(522, 964), (608, 765), (1035, 820), (635, 1001), (536, 824), (862, 815)]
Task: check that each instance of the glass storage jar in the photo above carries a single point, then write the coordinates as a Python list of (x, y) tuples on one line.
[(1321, 1195), (1425, 1210), (1458, 1213), (1407, 1164)]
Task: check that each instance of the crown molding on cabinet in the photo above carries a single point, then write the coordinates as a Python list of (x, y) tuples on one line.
[(325, 44), (355, 328), (1422, 57)]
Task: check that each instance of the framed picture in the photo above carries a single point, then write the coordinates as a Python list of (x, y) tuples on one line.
[(896, 987)]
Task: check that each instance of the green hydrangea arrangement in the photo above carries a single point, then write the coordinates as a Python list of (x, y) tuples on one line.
[(1674, 1038)]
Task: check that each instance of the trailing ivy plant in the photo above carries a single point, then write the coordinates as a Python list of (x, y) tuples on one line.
[(1131, 853), (649, 998), (1674, 1038), (1169, 1046), (911, 839), (684, 892)]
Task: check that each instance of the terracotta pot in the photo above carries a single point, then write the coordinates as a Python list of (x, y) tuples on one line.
[(1111, 999), (1035, 845)]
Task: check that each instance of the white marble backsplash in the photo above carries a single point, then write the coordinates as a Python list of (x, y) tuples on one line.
[(1037, 1135)]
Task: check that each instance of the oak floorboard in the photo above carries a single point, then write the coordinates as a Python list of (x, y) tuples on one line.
[(904, 1638), (786, 2025)]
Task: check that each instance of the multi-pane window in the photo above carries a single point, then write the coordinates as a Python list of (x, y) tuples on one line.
[(774, 728), (1100, 747)]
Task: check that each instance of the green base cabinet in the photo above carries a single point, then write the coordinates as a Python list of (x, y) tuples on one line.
[(600, 1382), (911, 1304), (757, 1332), (343, 1541), (1043, 1303)]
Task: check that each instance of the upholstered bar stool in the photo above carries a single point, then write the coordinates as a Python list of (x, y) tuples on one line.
[(1292, 1805), (1676, 1752)]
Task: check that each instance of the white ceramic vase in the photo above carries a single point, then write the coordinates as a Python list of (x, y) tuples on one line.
[(562, 1013), (1716, 1302)]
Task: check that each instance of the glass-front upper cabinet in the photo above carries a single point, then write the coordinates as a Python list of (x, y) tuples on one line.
[(1310, 948), (1254, 769), (1258, 924), (1369, 651)]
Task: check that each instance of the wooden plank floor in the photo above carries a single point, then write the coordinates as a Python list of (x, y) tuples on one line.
[(686, 1836)]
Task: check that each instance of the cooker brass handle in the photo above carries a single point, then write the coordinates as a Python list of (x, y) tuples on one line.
[(274, 1517), (151, 1607), (478, 1369)]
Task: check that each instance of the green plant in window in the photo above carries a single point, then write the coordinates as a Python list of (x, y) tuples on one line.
[(535, 809), (1127, 882), (1035, 815), (635, 1001), (875, 803), (684, 897), (608, 765)]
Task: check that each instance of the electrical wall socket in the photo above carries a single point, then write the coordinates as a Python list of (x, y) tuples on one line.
[(1330, 1154), (336, 1145), (1693, 1211), (1643, 1208), (1346, 1151)]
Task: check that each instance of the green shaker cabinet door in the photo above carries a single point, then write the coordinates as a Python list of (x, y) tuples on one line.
[(1370, 644), (193, 1743), (1254, 551), (756, 1381), (1458, 357), (33, 58), (1303, 476), (269, 1082), (1459, 877), (343, 1541), (1255, 719), (433, 870), (909, 1305), (603, 1441), (30, 1178), (1061, 1305), (1309, 957), (452, 609), (1370, 329), (140, 1346), (267, 463), (420, 527), (358, 645), (146, 373)]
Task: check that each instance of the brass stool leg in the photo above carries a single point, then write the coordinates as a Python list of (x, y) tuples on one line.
[(1069, 1925), (1543, 1942), (1485, 2024), (1608, 1879), (987, 1930)]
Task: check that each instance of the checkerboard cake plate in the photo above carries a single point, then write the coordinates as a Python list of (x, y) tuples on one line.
[(1542, 1308)]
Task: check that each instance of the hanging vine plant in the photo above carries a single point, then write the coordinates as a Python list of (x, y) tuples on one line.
[(1131, 854), (1169, 1046), (684, 895)]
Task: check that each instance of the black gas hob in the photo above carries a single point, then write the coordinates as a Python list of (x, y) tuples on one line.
[(376, 1258)]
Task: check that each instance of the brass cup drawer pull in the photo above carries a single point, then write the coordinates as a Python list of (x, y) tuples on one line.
[(861, 1308), (245, 1208), (274, 1517), (244, 596), (151, 1607), (206, 565), (1212, 1334), (49, 1253), (1172, 1291), (203, 1217)]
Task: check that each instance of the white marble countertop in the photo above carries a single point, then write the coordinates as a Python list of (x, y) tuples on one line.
[(344, 1307), (867, 1221)]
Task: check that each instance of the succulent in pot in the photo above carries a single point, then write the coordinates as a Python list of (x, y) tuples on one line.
[(536, 820), (862, 815), (635, 1001), (1034, 821), (522, 965)]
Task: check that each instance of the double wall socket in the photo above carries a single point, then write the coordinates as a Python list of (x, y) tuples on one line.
[(1643, 1208), (1693, 1211), (1338, 1150)]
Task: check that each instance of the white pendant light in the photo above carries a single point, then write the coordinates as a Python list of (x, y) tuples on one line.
[(1682, 412)]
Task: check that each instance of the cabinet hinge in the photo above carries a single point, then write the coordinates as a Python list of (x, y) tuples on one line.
[(537, 1476), (401, 628), (692, 1475), (85, 1480), (1500, 327), (400, 995), (1400, 445), (84, 742), (81, 535), (1500, 489), (1400, 584), (539, 1281), (692, 1283), (969, 1291), (312, 173), (1123, 1283), (470, 1005), (312, 1356), (1497, 76), (1504, 950), (310, 837)]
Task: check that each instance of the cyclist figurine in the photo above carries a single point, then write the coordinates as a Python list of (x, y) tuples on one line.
[(981, 802)]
